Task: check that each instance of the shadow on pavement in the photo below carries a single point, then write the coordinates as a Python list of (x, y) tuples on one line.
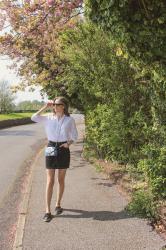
[(76, 153), (96, 215), (105, 184), (103, 179), (80, 166)]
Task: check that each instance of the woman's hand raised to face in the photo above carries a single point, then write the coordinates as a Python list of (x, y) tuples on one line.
[(49, 104)]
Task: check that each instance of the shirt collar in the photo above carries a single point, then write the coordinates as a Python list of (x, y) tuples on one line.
[(61, 118)]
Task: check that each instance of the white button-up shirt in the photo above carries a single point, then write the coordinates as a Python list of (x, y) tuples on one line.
[(58, 130)]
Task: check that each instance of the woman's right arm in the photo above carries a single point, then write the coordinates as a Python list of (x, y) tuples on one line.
[(37, 117)]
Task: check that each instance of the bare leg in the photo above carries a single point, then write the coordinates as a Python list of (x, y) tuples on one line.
[(61, 185), (49, 188)]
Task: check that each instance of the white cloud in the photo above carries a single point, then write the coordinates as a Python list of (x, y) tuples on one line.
[(7, 74), (11, 76), (29, 96)]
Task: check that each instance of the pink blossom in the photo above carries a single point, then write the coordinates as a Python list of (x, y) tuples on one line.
[(50, 2), (58, 13)]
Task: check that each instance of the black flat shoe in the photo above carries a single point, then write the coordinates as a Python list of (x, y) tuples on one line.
[(58, 210), (47, 217)]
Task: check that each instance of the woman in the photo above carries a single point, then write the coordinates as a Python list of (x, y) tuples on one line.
[(61, 132)]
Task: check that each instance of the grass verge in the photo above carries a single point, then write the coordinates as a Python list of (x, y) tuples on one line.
[(14, 116)]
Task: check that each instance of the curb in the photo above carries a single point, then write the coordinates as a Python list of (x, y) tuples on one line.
[(15, 122), (24, 208)]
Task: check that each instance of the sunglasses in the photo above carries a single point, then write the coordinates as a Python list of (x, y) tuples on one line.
[(59, 104)]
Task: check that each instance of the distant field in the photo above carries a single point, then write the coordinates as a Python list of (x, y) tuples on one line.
[(14, 116)]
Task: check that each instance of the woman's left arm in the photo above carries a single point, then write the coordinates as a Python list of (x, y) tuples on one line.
[(73, 133)]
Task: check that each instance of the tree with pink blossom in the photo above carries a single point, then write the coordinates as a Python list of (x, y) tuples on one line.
[(33, 39)]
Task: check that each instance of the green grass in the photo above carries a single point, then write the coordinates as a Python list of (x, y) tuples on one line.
[(14, 116), (98, 168)]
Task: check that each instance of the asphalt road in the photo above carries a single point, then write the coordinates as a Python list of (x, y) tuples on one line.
[(18, 146)]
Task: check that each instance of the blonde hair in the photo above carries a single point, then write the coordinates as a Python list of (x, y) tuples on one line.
[(65, 103)]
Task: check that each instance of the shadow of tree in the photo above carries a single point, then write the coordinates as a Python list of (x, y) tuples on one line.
[(103, 179), (76, 153), (105, 184)]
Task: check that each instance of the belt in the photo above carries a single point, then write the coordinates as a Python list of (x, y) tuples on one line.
[(57, 142)]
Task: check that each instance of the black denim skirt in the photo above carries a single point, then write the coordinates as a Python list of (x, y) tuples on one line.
[(62, 160)]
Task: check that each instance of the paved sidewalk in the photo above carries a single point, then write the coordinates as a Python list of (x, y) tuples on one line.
[(93, 217)]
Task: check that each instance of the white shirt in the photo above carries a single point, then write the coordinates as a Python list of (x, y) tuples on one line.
[(57, 129)]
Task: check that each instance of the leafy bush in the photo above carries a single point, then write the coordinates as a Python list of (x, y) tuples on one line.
[(105, 132), (143, 204), (121, 87), (154, 168), (131, 25)]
